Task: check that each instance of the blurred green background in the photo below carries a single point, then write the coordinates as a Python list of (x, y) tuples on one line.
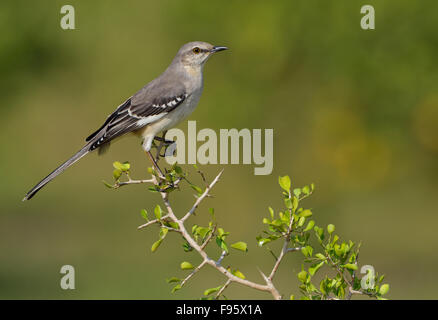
[(354, 111)]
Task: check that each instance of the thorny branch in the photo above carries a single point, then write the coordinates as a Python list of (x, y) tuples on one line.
[(268, 286), (163, 184)]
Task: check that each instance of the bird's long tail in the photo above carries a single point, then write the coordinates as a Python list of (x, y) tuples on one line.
[(57, 171)]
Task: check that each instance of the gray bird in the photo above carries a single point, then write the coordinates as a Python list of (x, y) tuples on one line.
[(157, 107)]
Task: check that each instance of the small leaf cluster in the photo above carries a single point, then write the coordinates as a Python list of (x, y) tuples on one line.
[(171, 179), (120, 169), (342, 258), (166, 225), (294, 224)]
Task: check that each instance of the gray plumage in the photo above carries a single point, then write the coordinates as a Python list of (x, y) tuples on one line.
[(158, 106)]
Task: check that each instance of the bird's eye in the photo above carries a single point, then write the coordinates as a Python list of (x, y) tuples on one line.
[(196, 50)]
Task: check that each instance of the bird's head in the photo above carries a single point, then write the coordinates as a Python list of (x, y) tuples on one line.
[(195, 54)]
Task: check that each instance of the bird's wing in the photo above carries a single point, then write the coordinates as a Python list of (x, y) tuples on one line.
[(145, 107)]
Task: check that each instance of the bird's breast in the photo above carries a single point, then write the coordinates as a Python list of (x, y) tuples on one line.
[(172, 118)]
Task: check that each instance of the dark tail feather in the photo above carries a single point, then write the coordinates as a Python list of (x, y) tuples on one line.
[(57, 171)]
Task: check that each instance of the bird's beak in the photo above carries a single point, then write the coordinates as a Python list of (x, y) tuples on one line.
[(217, 48)]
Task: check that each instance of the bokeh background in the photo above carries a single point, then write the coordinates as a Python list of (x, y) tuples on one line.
[(354, 111)]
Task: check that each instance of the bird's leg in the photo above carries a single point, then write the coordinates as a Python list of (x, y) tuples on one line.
[(160, 146), (163, 142), (157, 168)]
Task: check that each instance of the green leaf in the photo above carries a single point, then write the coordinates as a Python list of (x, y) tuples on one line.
[(144, 214), (313, 269), (186, 265), (341, 292), (320, 256), (301, 221), (338, 250), (110, 186), (196, 188), (156, 245), (277, 223), (288, 203), (187, 247), (306, 213), (271, 212), (116, 174), (319, 231), (294, 203), (163, 232), (384, 289), (153, 189), (302, 276), (331, 228), (173, 279), (306, 190), (309, 225), (350, 266), (211, 210), (285, 183), (212, 290), (202, 231), (221, 243), (151, 170), (322, 287), (307, 251), (238, 274), (220, 232), (297, 192), (242, 246), (118, 165), (126, 166), (121, 166), (158, 212), (176, 288), (263, 241), (178, 170), (173, 225)]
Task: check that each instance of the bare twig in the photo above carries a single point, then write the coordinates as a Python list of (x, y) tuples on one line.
[(210, 236), (155, 164), (285, 248), (223, 289), (147, 224), (202, 197), (193, 273), (130, 181)]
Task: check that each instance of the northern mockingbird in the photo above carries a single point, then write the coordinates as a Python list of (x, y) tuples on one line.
[(157, 107)]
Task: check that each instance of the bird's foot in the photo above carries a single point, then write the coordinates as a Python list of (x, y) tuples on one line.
[(166, 144)]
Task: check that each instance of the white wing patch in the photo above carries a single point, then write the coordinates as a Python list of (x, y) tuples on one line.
[(146, 120)]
